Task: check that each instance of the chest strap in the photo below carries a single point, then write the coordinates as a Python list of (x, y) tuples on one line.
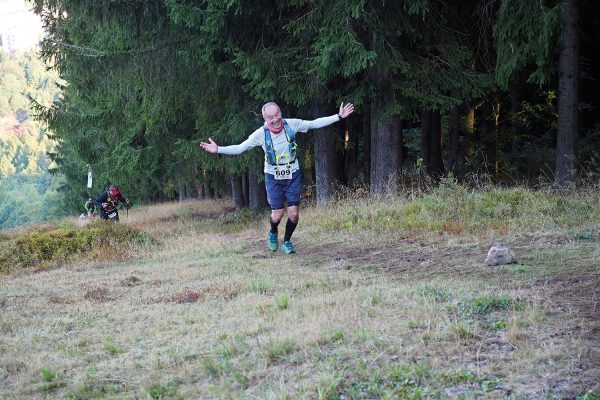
[(270, 156)]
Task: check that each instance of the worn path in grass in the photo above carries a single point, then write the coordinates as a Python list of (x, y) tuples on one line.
[(560, 274), (556, 353), (210, 313)]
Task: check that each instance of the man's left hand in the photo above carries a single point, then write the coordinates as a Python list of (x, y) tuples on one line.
[(346, 110)]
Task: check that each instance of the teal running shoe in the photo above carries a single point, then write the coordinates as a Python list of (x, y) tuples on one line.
[(287, 247), (272, 242)]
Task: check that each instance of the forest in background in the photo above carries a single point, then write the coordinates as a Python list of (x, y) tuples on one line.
[(505, 91), (29, 192)]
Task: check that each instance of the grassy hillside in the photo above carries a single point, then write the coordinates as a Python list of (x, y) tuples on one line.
[(385, 299)]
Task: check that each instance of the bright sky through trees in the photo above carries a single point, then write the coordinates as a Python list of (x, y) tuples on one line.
[(20, 28)]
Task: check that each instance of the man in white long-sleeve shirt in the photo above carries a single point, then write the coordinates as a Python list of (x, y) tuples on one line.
[(282, 173)]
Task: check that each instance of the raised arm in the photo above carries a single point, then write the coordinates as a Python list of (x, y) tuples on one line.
[(344, 112), (253, 140)]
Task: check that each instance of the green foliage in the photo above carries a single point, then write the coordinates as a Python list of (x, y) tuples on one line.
[(211, 367), (23, 142), (158, 391), (587, 396), (43, 247), (222, 367), (408, 381), (111, 348), (487, 304), (147, 83), (282, 302), (24, 76), (28, 193), (526, 38), (276, 350), (29, 199), (48, 375), (261, 287), (435, 293), (49, 378), (125, 107), (92, 389)]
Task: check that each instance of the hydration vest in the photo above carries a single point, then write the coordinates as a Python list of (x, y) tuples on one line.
[(290, 135)]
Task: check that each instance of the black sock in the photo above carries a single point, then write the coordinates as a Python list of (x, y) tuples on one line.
[(290, 226), (274, 225)]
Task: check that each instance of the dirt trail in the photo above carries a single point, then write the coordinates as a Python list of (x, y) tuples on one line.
[(570, 299)]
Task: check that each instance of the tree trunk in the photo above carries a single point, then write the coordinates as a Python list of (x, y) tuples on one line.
[(425, 141), (237, 193), (366, 124), (246, 188), (568, 99), (453, 145), (197, 192), (436, 162), (327, 162), (181, 189), (496, 137), (385, 152), (515, 107), (401, 149), (489, 133), (207, 192), (307, 166), (470, 133), (256, 192), (351, 148)]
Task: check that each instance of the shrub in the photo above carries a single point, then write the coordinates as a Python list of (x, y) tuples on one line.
[(49, 245)]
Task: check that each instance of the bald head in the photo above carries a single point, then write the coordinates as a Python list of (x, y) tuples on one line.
[(270, 104), (272, 115)]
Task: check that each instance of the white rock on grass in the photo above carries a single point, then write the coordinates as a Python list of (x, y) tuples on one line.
[(500, 254)]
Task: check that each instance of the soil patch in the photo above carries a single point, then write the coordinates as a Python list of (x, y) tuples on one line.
[(577, 296), (131, 281)]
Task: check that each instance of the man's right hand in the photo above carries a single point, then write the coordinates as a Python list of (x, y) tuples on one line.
[(210, 147)]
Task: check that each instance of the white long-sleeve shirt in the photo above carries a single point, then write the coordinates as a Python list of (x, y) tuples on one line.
[(280, 142)]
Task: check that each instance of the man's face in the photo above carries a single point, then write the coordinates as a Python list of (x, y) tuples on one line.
[(272, 116)]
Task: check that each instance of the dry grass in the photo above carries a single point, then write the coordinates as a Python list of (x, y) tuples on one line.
[(180, 211), (208, 312)]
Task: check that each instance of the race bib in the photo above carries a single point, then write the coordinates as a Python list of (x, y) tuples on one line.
[(283, 172), (112, 215)]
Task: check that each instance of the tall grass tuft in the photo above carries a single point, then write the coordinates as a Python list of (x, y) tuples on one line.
[(452, 207)]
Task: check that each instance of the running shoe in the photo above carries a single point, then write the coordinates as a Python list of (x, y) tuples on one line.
[(287, 247), (272, 242)]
